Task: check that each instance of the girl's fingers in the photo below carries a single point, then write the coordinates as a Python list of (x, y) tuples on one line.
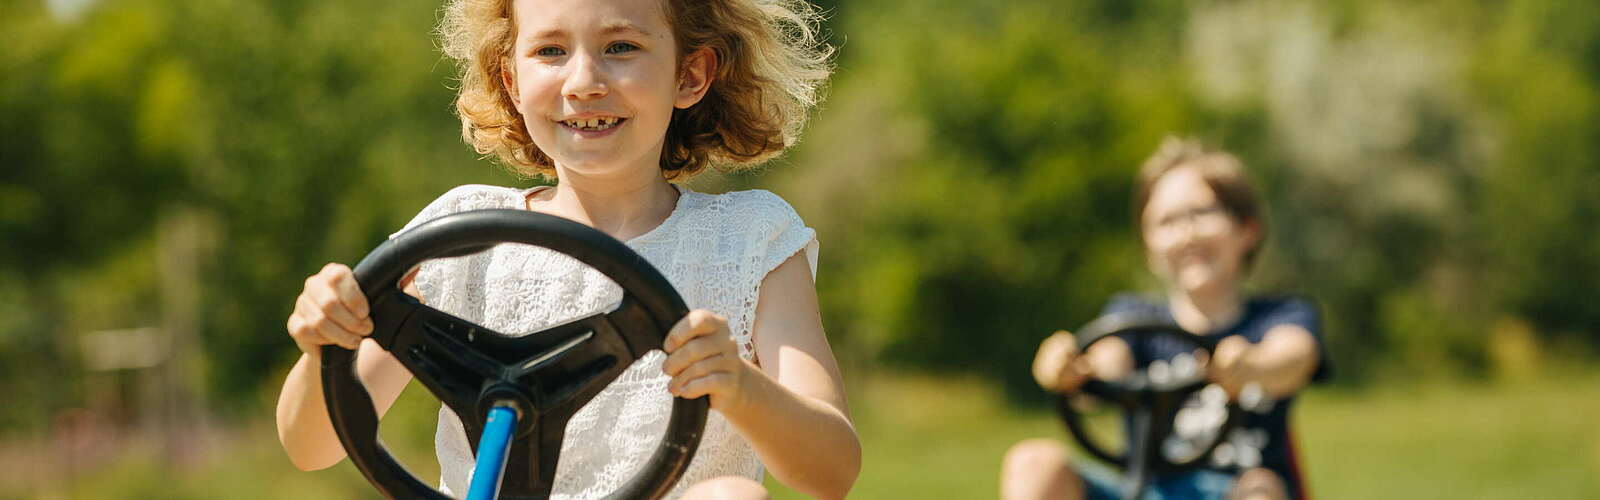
[(330, 304), (335, 335), (686, 329), (697, 323), (330, 310), (693, 372), (344, 283), (313, 319), (695, 351), (1044, 369), (1054, 359), (1074, 374), (305, 336), (310, 310), (702, 386)]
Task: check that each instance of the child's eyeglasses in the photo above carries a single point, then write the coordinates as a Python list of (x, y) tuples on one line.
[(1209, 219)]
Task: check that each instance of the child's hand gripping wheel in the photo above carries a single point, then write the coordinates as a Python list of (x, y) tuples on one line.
[(544, 377), (1151, 399)]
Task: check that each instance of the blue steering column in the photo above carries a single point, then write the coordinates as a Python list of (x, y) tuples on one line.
[(493, 448)]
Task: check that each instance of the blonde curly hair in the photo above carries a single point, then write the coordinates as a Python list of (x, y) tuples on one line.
[(771, 65)]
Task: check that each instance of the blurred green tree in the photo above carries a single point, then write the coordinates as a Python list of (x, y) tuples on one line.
[(1424, 167), (304, 131)]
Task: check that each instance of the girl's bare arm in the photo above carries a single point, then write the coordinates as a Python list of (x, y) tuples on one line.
[(796, 416), (304, 429), (791, 406)]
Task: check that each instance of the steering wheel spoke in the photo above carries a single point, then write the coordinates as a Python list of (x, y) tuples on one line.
[(427, 342), (456, 387), (565, 384), (531, 470)]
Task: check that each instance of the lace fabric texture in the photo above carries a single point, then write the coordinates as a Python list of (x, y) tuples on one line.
[(715, 249)]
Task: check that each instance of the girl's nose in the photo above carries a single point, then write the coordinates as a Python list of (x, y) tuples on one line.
[(1191, 228), (1185, 234), (586, 79)]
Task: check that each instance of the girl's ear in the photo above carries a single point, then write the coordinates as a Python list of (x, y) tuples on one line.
[(508, 77), (694, 80), (1252, 233)]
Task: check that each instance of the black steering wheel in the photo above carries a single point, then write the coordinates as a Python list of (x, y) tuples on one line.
[(1151, 399), (546, 376)]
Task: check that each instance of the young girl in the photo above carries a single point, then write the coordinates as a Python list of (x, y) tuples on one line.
[(1201, 228), (617, 100)]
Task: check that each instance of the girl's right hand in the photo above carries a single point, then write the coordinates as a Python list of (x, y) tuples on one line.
[(330, 310), (1057, 367)]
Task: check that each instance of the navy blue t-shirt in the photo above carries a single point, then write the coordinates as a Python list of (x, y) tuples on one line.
[(1263, 438)]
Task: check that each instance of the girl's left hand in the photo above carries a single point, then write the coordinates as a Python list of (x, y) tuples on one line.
[(703, 360), (1227, 365)]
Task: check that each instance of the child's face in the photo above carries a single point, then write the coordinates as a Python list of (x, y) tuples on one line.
[(596, 82), (1192, 241)]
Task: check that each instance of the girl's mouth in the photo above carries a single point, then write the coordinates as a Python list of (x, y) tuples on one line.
[(597, 124)]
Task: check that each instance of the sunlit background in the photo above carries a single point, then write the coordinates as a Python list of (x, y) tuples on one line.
[(171, 170)]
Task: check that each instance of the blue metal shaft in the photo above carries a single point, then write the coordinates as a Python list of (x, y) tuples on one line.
[(493, 448)]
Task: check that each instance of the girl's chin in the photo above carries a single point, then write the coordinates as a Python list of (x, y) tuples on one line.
[(588, 161), (605, 166), (1195, 280), (586, 158)]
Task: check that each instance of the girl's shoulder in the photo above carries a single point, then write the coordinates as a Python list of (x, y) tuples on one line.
[(755, 207), (477, 196), (756, 226), (751, 200), (468, 197)]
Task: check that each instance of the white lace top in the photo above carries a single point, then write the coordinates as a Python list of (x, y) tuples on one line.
[(715, 249)]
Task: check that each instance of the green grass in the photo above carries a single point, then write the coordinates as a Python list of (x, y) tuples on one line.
[(943, 438)]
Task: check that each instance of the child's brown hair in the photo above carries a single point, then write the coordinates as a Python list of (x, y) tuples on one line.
[(771, 64)]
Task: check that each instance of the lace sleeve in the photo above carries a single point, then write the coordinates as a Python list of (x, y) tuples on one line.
[(778, 234), (790, 235)]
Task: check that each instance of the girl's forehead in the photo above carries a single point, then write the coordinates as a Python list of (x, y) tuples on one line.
[(1180, 187), (552, 18)]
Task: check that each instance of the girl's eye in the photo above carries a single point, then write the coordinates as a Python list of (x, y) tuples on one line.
[(621, 47), (550, 51)]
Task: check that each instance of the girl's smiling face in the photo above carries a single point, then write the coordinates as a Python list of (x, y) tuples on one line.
[(1193, 242), (596, 81)]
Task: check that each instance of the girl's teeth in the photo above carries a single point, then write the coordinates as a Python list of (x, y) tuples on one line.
[(593, 123)]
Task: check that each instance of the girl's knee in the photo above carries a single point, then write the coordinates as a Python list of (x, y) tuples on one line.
[(1038, 469), (1258, 484), (727, 488), (1036, 456)]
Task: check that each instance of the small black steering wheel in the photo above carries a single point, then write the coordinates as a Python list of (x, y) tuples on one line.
[(1150, 399), (546, 376)]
